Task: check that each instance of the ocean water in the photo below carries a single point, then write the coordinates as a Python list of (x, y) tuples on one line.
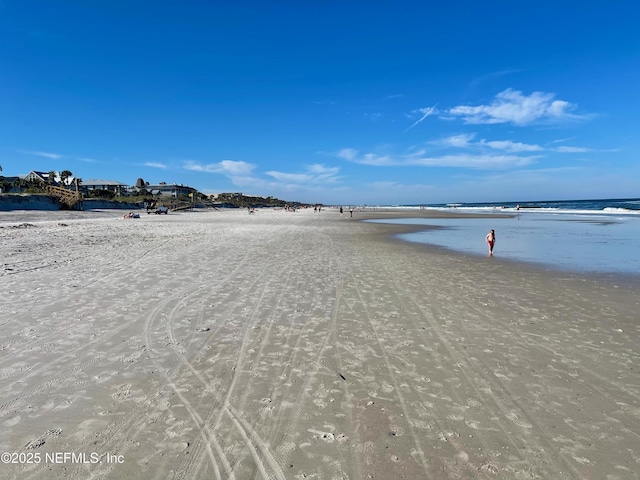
[(622, 206), (597, 236)]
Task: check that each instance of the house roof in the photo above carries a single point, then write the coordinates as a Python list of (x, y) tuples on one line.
[(37, 173), (169, 186), (97, 182)]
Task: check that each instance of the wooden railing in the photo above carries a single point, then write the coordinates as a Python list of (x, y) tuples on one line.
[(66, 197)]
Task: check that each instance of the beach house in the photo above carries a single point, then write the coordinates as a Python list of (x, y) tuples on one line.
[(171, 190), (94, 184), (42, 177)]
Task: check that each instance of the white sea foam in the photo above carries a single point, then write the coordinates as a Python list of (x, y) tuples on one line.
[(533, 210)]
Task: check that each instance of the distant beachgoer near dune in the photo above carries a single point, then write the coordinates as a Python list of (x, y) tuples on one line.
[(491, 240)]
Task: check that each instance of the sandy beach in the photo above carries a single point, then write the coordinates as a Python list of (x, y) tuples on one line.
[(302, 345)]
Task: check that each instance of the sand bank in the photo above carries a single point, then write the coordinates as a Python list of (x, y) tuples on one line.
[(28, 202), (302, 345), (17, 203)]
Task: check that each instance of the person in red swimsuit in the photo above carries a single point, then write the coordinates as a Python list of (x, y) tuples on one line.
[(491, 240)]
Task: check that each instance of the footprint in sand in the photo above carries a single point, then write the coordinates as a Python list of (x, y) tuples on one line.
[(326, 436), (122, 392), (33, 444), (515, 418), (472, 402)]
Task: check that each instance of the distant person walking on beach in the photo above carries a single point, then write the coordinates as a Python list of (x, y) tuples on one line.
[(491, 240), (341, 212)]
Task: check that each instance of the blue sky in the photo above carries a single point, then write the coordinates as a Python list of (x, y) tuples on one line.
[(339, 102)]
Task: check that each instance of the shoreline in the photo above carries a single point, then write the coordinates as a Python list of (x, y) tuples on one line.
[(618, 278), (615, 276), (304, 345)]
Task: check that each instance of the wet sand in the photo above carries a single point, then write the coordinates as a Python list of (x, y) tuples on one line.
[(301, 345)]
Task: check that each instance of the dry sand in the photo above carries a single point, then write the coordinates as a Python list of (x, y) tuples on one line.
[(302, 346)]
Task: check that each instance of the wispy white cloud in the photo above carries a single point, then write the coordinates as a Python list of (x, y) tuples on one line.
[(462, 151), (465, 141), (367, 159), (477, 161), (574, 149), (460, 141), (225, 167), (348, 153), (562, 140), (155, 165), (509, 146), (53, 156), (491, 76), (323, 173), (424, 113), (483, 162), (315, 173), (290, 177), (511, 106), (566, 149), (238, 172), (244, 175)]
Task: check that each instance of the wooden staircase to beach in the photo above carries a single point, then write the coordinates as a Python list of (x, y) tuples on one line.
[(69, 198)]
